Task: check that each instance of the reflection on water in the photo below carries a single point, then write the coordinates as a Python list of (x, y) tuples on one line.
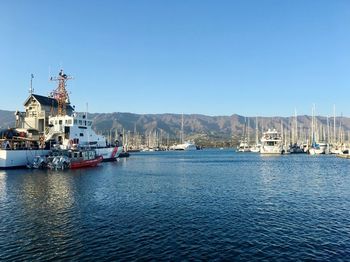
[(202, 205), (2, 185)]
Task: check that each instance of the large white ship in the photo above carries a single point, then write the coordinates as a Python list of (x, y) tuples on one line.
[(51, 122)]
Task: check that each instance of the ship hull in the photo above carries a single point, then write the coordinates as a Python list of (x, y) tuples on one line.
[(18, 158), (109, 153)]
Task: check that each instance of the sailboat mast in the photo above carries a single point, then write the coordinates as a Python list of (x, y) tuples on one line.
[(256, 132), (182, 129), (248, 133), (313, 125), (296, 126), (334, 135), (328, 130)]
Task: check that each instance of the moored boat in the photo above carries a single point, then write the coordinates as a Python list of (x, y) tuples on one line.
[(59, 159), (51, 122), (243, 146), (84, 158), (186, 146), (271, 143)]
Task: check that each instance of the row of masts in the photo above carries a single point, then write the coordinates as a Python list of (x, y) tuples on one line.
[(293, 132)]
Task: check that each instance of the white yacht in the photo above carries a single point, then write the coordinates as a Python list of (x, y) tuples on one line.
[(188, 145), (243, 146), (271, 143), (319, 149), (184, 145)]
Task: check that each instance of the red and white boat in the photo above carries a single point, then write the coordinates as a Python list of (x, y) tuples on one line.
[(84, 158)]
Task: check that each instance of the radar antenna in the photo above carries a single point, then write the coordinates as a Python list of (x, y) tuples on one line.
[(60, 93)]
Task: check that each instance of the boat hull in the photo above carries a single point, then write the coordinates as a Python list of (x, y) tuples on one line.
[(271, 150), (109, 153), (86, 163), (184, 147), (19, 158), (347, 156)]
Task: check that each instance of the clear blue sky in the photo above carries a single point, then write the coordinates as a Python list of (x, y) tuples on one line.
[(263, 57)]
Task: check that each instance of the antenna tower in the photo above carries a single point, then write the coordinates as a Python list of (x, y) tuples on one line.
[(60, 93)]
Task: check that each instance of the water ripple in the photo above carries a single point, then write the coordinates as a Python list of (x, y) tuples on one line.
[(208, 205)]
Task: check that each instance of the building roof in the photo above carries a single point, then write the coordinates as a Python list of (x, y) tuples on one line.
[(46, 101)]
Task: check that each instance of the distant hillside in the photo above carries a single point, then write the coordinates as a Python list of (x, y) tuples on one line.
[(212, 128), (7, 119), (198, 127)]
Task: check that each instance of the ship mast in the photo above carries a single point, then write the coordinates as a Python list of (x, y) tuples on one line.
[(60, 93)]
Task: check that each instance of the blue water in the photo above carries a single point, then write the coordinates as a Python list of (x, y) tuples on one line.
[(202, 205)]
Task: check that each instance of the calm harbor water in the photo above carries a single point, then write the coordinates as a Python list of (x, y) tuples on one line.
[(202, 205)]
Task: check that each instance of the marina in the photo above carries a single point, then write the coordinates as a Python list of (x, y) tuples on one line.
[(175, 131)]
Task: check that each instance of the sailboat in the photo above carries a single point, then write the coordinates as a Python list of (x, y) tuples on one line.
[(244, 143), (184, 145), (317, 148), (295, 147), (256, 147)]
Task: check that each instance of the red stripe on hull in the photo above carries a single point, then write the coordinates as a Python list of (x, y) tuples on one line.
[(86, 163)]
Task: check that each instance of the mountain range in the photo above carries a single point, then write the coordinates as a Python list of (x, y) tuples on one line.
[(198, 127)]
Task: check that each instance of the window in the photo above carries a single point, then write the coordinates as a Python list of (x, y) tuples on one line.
[(81, 134)]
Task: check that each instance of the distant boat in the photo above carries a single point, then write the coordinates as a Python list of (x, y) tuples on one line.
[(344, 155), (243, 146), (317, 148), (256, 148), (296, 149), (244, 143), (271, 143), (184, 145)]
